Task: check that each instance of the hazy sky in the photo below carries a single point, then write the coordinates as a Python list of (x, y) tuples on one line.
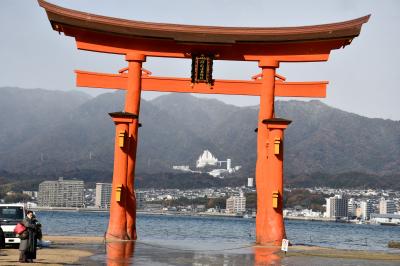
[(364, 77)]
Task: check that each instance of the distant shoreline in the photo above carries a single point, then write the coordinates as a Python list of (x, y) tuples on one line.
[(198, 214), (68, 209)]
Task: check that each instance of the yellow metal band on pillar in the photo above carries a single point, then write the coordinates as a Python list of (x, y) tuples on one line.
[(118, 193), (121, 139), (277, 146), (275, 199)]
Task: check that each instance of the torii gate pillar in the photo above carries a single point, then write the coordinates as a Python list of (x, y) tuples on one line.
[(270, 228), (132, 105), (117, 227), (122, 224)]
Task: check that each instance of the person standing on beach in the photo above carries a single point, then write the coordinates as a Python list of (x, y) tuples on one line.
[(38, 229), (27, 247), (2, 238)]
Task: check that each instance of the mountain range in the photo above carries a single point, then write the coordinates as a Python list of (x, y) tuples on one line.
[(46, 134)]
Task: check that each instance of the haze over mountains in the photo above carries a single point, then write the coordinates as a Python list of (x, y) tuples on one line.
[(51, 133)]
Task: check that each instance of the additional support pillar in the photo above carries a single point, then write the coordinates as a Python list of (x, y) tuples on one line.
[(132, 105), (266, 111), (273, 229), (117, 227)]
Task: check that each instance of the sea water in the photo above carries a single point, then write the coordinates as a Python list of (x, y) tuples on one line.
[(221, 233)]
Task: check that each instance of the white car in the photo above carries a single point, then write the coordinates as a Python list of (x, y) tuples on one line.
[(10, 215)]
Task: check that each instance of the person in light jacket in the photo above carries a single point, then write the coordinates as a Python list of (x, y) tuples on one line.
[(27, 247)]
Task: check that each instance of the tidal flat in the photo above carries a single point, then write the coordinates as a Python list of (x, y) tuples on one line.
[(83, 250)]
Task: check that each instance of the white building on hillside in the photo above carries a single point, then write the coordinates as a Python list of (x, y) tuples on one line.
[(206, 159), (250, 182)]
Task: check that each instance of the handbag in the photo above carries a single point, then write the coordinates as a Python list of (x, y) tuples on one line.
[(19, 228), (24, 235)]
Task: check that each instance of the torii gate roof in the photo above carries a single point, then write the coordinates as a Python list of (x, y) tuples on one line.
[(202, 34), (86, 27)]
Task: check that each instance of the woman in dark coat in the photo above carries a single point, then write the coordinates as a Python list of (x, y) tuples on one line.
[(2, 238), (27, 247)]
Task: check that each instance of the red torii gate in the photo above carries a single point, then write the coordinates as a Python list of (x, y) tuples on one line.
[(268, 46)]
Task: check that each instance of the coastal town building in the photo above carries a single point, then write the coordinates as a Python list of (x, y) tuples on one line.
[(366, 209), (358, 212), (140, 200), (351, 208), (103, 195), (336, 207), (385, 219), (307, 213), (250, 182), (236, 204), (387, 206), (61, 193), (30, 193)]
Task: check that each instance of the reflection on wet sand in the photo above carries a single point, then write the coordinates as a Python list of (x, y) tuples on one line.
[(124, 253), (264, 255), (154, 253), (120, 252)]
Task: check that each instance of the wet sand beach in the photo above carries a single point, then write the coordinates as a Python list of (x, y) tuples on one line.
[(53, 256), (64, 250), (78, 250)]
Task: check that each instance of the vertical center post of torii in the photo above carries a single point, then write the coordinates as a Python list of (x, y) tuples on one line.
[(270, 228), (126, 222), (132, 105), (117, 227)]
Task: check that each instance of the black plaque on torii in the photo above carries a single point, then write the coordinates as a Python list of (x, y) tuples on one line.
[(202, 67)]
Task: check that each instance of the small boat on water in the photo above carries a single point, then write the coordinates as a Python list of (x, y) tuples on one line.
[(389, 224), (249, 215)]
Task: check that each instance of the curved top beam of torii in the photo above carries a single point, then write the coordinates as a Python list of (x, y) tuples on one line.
[(285, 44), (268, 46)]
